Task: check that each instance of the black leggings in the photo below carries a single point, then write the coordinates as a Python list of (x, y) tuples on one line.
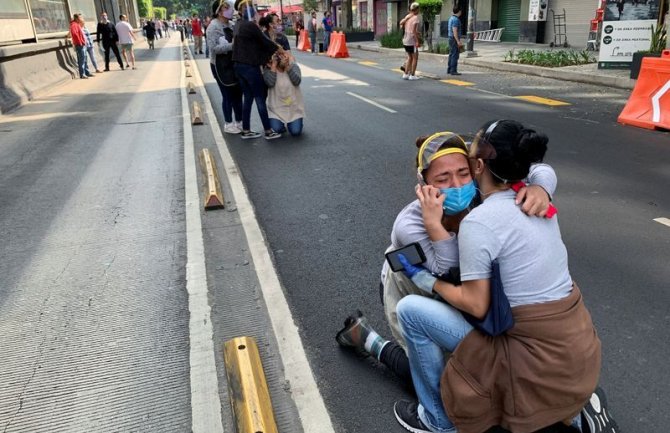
[(394, 357)]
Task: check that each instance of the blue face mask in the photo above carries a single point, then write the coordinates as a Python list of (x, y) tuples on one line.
[(458, 199)]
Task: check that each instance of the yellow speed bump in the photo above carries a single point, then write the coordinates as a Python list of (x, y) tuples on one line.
[(543, 101), (249, 395), (367, 63), (196, 114), (213, 194)]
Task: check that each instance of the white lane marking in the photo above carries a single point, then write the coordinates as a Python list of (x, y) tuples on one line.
[(664, 221), (371, 102), (205, 402), (297, 371), (655, 102)]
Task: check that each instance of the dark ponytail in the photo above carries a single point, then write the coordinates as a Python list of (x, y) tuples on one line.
[(516, 148)]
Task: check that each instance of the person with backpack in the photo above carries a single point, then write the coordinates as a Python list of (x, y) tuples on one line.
[(219, 38)]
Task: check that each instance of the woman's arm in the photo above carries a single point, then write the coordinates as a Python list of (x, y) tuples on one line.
[(536, 197), (270, 77), (473, 296), (294, 74), (216, 44)]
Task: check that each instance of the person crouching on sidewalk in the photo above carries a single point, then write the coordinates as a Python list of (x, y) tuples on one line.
[(286, 107)]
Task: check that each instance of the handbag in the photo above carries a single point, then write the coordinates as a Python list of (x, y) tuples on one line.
[(498, 319), (223, 63)]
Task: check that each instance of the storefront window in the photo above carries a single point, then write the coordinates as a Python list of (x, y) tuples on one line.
[(13, 9), (50, 16), (86, 7)]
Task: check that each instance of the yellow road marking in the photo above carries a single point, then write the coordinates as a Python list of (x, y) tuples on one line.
[(664, 221), (397, 70), (543, 101), (367, 63), (458, 82)]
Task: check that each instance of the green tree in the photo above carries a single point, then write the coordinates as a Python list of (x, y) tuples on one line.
[(160, 12), (145, 8), (430, 8)]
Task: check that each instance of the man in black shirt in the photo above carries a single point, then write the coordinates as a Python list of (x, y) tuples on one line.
[(107, 32)]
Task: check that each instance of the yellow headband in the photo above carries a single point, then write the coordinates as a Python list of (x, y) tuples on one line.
[(442, 152)]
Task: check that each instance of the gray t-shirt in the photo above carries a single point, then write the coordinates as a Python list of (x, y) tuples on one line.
[(532, 257)]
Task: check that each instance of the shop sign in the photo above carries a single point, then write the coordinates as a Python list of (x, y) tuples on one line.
[(537, 10)]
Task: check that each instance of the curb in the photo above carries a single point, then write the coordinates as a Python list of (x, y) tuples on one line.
[(557, 74)]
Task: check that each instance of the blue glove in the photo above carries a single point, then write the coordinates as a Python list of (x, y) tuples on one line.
[(419, 275)]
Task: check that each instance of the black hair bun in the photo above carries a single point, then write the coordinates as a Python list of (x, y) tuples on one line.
[(516, 149), (533, 145)]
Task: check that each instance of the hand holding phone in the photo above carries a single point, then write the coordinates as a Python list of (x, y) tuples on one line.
[(412, 253)]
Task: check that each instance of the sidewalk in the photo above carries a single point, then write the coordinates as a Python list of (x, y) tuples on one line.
[(491, 55)]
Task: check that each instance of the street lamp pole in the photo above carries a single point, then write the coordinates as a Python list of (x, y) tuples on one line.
[(472, 19)]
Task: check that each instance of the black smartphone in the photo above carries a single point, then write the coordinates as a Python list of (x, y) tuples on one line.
[(412, 252)]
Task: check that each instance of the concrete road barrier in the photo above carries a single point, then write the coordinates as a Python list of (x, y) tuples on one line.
[(249, 395), (213, 193), (196, 114), (191, 87)]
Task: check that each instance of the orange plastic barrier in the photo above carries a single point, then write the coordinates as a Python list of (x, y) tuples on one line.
[(649, 105), (303, 42), (338, 47)]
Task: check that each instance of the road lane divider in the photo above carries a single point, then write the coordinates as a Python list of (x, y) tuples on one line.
[(213, 193), (204, 382), (664, 221), (297, 372), (457, 82), (188, 71), (371, 102), (542, 101), (196, 114), (247, 387), (191, 87)]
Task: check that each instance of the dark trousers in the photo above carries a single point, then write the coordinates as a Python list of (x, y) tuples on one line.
[(114, 48), (231, 99), (454, 54), (253, 89)]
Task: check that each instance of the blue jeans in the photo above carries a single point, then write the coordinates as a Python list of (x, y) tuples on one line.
[(454, 54), (82, 63), (294, 128), (253, 89), (430, 327), (231, 99), (91, 54), (312, 39), (326, 41)]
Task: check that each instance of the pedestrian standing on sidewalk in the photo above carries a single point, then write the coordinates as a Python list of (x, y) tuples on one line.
[(455, 43), (220, 39), (411, 41), (107, 33), (206, 24), (270, 26), (312, 27), (150, 32), (251, 50), (79, 42), (327, 23), (299, 27), (89, 45), (196, 28), (126, 39)]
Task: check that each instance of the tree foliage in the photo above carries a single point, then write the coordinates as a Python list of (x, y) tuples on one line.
[(145, 8), (160, 12), (430, 8)]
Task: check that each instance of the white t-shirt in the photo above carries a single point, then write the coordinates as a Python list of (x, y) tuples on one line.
[(125, 31)]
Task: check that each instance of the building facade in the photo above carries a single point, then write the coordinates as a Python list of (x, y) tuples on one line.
[(33, 20)]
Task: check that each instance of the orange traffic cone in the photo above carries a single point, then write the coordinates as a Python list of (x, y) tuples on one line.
[(649, 105)]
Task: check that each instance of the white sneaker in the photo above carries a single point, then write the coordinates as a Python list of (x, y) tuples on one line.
[(413, 78), (231, 128), (405, 77), (239, 125)]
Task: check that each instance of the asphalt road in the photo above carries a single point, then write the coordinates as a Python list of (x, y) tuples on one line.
[(327, 201)]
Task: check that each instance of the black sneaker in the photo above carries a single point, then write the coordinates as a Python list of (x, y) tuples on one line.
[(351, 335), (408, 417), (596, 417), (272, 135), (246, 135)]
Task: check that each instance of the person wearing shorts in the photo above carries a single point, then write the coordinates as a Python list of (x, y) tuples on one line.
[(411, 41), (126, 39)]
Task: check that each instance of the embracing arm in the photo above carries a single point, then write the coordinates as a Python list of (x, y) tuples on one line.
[(473, 296), (294, 74), (216, 40)]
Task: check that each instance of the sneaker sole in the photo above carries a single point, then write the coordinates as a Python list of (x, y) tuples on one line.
[(249, 137), (405, 425), (597, 416), (274, 137)]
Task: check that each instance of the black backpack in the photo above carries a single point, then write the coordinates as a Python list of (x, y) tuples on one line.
[(225, 72)]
